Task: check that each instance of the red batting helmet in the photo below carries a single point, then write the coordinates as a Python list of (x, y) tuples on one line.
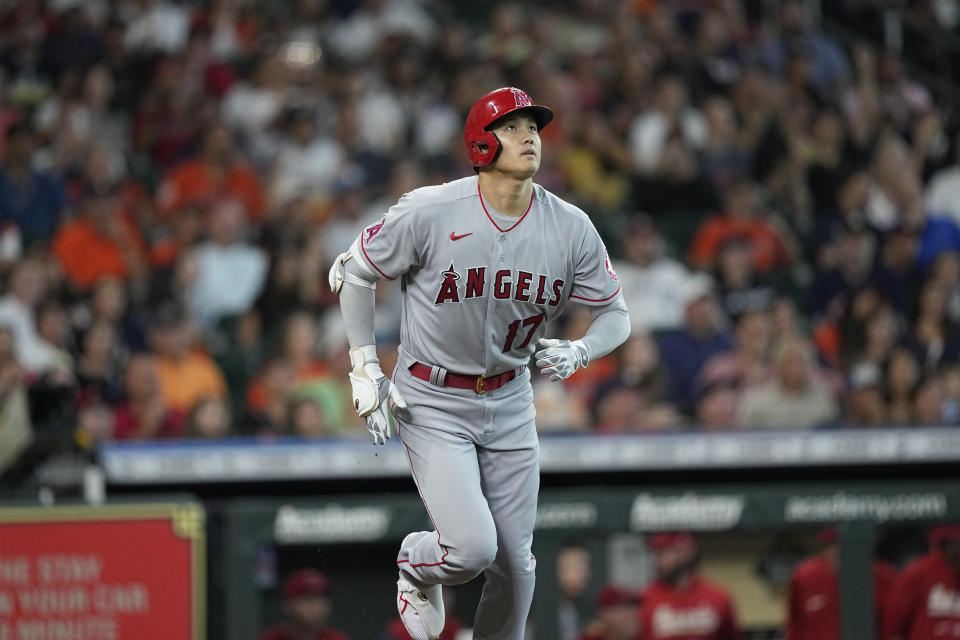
[(483, 147)]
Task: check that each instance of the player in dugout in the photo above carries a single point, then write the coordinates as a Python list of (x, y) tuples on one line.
[(813, 609), (680, 604), (924, 602), (306, 603), (616, 617)]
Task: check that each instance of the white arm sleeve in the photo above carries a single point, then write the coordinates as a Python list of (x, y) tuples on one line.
[(609, 329), (357, 305)]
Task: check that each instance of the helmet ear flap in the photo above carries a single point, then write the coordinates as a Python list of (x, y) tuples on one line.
[(483, 157)]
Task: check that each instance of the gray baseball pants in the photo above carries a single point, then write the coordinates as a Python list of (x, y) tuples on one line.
[(475, 460)]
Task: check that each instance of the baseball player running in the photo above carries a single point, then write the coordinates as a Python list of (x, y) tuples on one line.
[(485, 262)]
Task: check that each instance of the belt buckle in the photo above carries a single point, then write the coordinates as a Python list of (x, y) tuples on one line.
[(479, 386)]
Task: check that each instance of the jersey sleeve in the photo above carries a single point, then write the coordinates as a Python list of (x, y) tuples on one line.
[(595, 282), (388, 248)]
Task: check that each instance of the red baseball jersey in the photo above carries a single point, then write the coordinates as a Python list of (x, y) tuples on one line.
[(286, 632), (702, 611), (813, 611), (924, 602)]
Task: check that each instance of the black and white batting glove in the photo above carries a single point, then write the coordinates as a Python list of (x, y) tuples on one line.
[(558, 359), (371, 392)]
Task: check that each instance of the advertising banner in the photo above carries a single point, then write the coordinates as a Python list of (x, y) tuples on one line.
[(116, 572)]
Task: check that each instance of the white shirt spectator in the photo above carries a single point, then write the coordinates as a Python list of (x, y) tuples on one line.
[(229, 279), (163, 26), (306, 170), (653, 293), (34, 354), (229, 272), (250, 108), (943, 193), (649, 131), (383, 123)]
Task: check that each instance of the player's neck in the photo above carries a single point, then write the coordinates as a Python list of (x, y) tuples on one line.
[(509, 196)]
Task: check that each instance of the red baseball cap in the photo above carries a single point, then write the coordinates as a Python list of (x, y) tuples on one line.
[(827, 535), (305, 582), (944, 532), (660, 541), (613, 594)]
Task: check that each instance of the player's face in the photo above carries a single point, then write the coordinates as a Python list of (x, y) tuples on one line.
[(520, 146)]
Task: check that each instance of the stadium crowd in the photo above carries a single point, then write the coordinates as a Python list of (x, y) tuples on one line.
[(176, 177)]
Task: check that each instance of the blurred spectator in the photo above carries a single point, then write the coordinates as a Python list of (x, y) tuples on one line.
[(902, 377), (741, 219), (596, 164), (312, 376), (739, 288), (652, 281), (923, 597), (267, 399), (218, 171), (252, 107), (306, 418), (145, 413), (669, 116), (158, 26), (934, 337), (813, 600), (865, 406), (928, 403), (937, 233), (186, 374), (895, 272), (307, 164), (230, 272), (680, 602), (684, 351), (110, 303), (829, 62), (16, 431), (101, 242), (637, 396), (943, 190), (616, 617), (27, 287), (723, 158), (574, 570), (794, 399), (31, 201), (747, 365), (98, 368), (209, 419), (306, 603)]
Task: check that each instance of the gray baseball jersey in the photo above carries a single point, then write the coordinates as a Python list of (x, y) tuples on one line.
[(478, 291), (479, 288)]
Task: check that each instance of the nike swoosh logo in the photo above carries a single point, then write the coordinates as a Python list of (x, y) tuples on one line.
[(455, 237)]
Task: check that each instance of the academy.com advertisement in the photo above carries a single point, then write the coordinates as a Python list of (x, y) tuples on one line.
[(718, 512), (101, 573)]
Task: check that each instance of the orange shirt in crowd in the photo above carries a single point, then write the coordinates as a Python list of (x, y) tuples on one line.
[(195, 376), (766, 244), (87, 255), (196, 183)]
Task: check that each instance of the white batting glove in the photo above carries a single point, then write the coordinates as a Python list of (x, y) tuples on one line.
[(560, 358), (371, 391)]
